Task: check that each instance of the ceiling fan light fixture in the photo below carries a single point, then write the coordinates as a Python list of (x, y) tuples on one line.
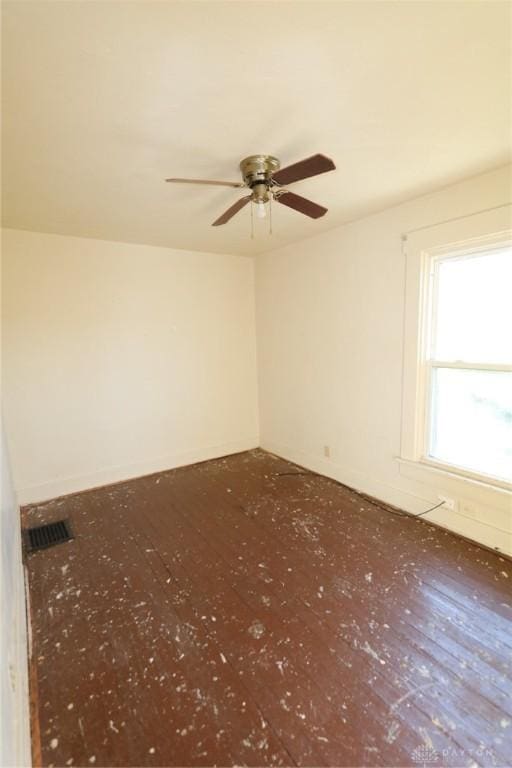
[(261, 209)]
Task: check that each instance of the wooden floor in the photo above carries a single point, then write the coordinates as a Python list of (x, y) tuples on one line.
[(244, 612)]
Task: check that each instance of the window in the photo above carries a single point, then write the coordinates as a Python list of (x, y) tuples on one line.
[(468, 409), (457, 354)]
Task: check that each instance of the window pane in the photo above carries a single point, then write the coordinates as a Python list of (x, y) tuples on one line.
[(474, 308), (471, 420)]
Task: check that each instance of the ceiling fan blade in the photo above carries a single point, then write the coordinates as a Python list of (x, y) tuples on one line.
[(227, 215), (208, 181), (301, 204), (311, 166)]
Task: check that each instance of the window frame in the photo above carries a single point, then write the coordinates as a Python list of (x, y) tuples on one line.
[(431, 362), (424, 251)]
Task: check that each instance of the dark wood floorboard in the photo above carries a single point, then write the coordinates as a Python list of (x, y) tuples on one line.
[(245, 612)]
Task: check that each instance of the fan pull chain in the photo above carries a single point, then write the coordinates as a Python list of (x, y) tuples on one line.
[(270, 214), (252, 221)]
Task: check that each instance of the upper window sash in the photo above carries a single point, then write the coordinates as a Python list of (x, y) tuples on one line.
[(455, 345)]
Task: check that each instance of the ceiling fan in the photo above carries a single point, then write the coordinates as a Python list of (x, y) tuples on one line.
[(266, 180)]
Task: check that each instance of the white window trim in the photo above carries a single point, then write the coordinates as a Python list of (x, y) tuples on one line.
[(422, 250)]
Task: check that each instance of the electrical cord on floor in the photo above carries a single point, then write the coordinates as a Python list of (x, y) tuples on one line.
[(368, 498), (420, 514), (398, 512)]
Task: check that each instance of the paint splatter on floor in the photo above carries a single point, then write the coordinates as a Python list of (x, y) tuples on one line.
[(244, 612)]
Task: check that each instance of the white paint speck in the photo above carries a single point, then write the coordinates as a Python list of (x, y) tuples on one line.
[(256, 629), (54, 743), (369, 650), (392, 732)]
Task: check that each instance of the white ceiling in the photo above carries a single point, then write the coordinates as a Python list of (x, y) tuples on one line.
[(103, 100)]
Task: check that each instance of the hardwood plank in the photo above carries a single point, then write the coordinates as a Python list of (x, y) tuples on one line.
[(244, 611)]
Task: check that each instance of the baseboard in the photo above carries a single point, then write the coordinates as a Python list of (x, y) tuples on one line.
[(488, 535), (356, 480), (40, 493)]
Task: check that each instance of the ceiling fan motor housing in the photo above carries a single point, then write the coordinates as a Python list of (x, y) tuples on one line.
[(257, 171)]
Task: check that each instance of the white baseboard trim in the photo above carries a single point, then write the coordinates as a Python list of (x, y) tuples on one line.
[(40, 493), (487, 534), (481, 532), (356, 480)]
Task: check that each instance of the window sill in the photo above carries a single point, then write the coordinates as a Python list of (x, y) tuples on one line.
[(437, 475)]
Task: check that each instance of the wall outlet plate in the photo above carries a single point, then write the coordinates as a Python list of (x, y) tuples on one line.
[(449, 503)]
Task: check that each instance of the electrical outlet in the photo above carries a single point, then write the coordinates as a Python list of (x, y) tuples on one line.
[(327, 451), (449, 503)]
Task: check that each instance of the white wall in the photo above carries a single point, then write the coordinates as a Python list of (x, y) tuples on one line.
[(330, 333), (14, 714), (121, 360)]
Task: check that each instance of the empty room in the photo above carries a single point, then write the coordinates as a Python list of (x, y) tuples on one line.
[(256, 322)]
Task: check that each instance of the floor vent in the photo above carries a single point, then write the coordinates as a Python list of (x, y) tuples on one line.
[(43, 536)]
